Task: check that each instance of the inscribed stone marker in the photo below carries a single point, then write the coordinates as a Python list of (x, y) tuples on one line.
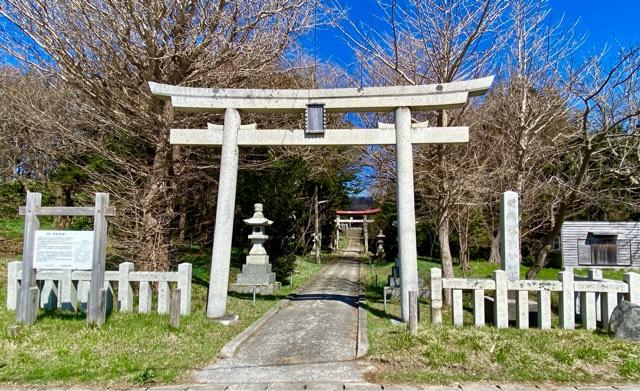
[(510, 235)]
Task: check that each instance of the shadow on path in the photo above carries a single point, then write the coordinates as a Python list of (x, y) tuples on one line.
[(313, 337)]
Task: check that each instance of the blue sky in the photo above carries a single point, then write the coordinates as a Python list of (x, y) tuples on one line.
[(615, 21), (610, 21)]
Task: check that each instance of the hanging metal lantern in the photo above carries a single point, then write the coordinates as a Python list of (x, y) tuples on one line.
[(314, 119)]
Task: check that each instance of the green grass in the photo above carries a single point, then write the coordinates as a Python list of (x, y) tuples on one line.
[(446, 354), (129, 349), (11, 228), (483, 269)]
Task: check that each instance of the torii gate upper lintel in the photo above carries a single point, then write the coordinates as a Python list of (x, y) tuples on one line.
[(400, 99)]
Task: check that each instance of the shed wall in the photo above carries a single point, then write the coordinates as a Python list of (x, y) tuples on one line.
[(574, 235)]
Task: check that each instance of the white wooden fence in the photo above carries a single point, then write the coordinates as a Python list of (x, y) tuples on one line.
[(69, 289), (595, 296)]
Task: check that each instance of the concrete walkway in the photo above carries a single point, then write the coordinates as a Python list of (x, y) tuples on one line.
[(312, 339)]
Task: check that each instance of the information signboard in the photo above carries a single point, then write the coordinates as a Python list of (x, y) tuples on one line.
[(63, 250)]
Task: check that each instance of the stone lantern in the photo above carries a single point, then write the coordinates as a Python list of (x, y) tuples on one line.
[(380, 241), (256, 272)]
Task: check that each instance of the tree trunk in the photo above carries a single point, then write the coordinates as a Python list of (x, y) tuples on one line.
[(182, 225), (157, 204), (541, 257), (494, 255), (445, 253), (463, 235), (561, 213), (445, 213), (64, 197)]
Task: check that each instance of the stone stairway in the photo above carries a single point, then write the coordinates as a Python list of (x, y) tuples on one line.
[(355, 245)]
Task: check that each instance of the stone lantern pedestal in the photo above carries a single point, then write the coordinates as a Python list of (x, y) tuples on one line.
[(256, 272)]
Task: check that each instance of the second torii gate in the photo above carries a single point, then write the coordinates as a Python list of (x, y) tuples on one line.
[(400, 99), (364, 220)]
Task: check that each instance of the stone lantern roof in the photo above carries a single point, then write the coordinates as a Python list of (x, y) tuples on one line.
[(258, 218)]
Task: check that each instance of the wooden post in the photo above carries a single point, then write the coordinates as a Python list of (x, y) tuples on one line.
[(34, 299), (95, 311), (102, 306), (175, 308), (24, 312), (413, 311)]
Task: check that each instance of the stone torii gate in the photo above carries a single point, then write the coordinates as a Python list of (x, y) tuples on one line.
[(314, 102)]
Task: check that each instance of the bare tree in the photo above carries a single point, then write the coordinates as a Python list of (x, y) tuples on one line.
[(599, 158), (103, 53), (34, 117), (433, 42)]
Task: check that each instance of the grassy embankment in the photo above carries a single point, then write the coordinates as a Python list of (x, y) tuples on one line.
[(447, 354), (129, 349)]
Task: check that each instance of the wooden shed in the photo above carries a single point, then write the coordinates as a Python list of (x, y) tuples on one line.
[(600, 244)]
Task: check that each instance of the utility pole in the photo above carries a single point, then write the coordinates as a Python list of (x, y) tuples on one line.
[(316, 237)]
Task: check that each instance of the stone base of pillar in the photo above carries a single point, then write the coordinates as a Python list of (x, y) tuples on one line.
[(227, 320), (262, 290)]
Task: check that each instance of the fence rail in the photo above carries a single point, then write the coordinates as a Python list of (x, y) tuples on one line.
[(69, 289), (590, 298)]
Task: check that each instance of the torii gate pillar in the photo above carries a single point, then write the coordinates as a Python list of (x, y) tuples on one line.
[(223, 234), (342, 100), (406, 211)]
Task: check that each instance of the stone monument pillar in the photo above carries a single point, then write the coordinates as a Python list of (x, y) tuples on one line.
[(510, 235), (510, 263), (256, 272)]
